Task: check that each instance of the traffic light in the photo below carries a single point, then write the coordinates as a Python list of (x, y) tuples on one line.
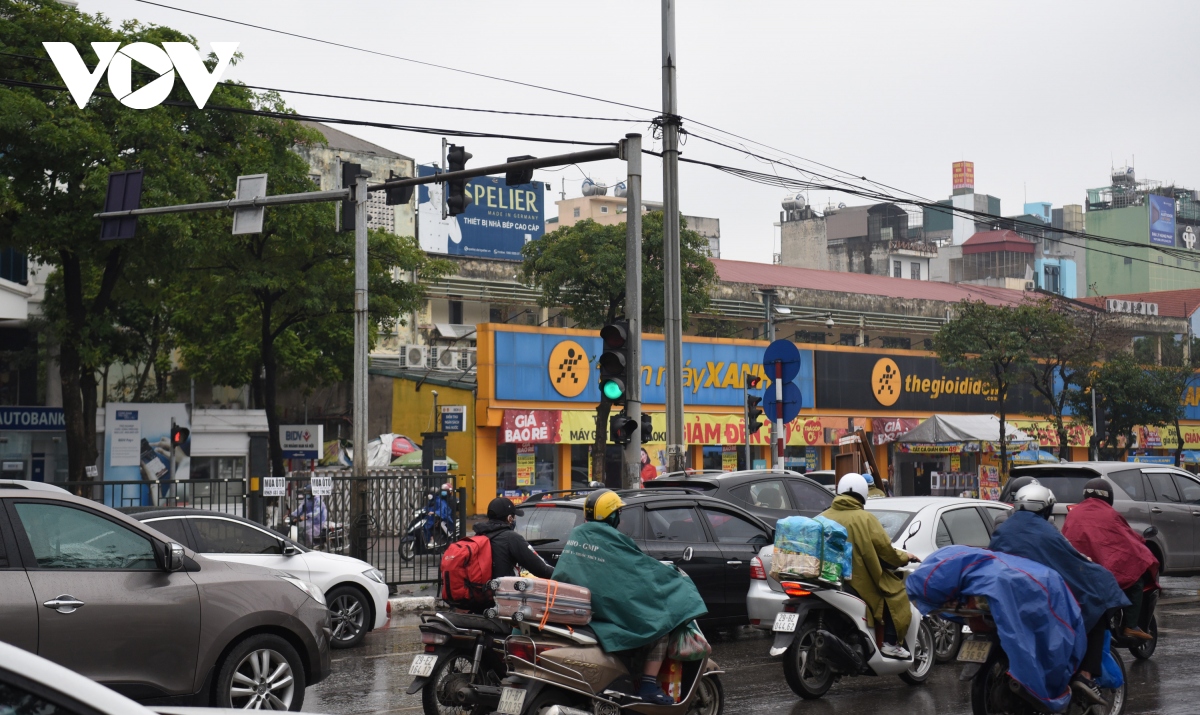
[(647, 429), (754, 414), (516, 177), (400, 195), (613, 361), (350, 174), (457, 198), (621, 428), (179, 435)]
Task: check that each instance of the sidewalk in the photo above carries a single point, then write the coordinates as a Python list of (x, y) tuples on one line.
[(412, 598)]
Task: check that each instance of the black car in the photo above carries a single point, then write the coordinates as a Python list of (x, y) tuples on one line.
[(769, 495), (724, 538)]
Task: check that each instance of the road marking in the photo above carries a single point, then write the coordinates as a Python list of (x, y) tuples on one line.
[(1186, 612), (1174, 601), (389, 655)]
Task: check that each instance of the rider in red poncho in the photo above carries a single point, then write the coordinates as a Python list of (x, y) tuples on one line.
[(1097, 531)]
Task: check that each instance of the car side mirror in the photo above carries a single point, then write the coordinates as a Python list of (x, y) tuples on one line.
[(1150, 532), (288, 549), (174, 557), (687, 554)]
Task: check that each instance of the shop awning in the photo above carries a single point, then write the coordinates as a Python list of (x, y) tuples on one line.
[(964, 428)]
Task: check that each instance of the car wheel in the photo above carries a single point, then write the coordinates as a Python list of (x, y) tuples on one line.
[(348, 612), (947, 636), (263, 672)]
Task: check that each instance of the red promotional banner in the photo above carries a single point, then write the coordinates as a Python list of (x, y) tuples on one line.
[(530, 426), (887, 429)]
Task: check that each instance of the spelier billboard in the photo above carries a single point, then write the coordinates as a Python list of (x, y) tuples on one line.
[(498, 222)]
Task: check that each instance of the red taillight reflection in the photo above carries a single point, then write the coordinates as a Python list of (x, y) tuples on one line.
[(757, 572), (523, 649)]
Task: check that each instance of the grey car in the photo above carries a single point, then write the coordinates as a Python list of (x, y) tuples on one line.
[(1149, 495), (108, 597)]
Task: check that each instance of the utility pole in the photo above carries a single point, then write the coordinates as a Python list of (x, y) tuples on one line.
[(632, 150), (769, 306), (358, 489), (672, 293)]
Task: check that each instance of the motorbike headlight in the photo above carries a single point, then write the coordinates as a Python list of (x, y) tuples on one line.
[(314, 592), (374, 575)]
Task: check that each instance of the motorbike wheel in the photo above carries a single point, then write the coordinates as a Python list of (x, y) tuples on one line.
[(923, 656), (807, 678), (947, 637), (408, 548), (1116, 696), (990, 694), (549, 698), (1146, 649), (454, 663), (710, 697)]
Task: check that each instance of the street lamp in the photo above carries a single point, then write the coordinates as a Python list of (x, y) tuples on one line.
[(782, 310)]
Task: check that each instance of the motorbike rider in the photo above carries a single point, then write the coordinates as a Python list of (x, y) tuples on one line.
[(509, 549), (881, 589), (311, 514), (1028, 533), (873, 491), (636, 600), (1100, 533), (438, 505)]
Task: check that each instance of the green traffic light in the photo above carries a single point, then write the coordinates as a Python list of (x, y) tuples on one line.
[(612, 389)]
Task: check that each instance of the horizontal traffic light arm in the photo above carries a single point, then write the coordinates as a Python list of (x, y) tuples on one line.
[(612, 152), (308, 197)]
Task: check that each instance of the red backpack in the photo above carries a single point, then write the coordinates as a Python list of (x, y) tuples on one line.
[(465, 571)]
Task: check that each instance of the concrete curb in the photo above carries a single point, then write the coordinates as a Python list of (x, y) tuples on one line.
[(405, 605)]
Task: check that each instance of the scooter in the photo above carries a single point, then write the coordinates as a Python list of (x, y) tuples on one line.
[(463, 663), (822, 635), (414, 542), (994, 691)]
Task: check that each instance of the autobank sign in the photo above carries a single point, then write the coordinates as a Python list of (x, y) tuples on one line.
[(36, 419), (556, 367)]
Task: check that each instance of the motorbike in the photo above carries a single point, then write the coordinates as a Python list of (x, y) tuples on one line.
[(822, 635), (414, 542), (994, 691), (462, 666), (1147, 621)]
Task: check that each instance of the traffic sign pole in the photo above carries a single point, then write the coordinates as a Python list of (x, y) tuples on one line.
[(779, 434)]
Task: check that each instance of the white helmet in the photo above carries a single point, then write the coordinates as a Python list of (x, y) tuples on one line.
[(1035, 498), (853, 483)]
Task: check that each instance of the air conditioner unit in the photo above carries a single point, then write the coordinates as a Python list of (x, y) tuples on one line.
[(447, 359), (414, 356), (1030, 286), (466, 358)]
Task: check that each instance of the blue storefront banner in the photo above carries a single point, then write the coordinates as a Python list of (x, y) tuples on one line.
[(32, 419), (1162, 220), (555, 367), (499, 220)]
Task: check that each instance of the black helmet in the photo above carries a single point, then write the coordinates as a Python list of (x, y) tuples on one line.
[(1099, 488)]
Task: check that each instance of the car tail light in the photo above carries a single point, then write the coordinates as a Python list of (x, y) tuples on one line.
[(795, 590), (757, 572), (434, 638), (521, 648)]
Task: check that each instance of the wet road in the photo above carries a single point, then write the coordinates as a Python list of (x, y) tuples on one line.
[(372, 679)]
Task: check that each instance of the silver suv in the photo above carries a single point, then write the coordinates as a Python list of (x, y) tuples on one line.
[(108, 597), (1150, 495)]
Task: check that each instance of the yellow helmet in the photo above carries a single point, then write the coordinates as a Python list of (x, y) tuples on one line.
[(601, 504)]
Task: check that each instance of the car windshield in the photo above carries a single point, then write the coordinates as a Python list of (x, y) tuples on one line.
[(548, 522), (1067, 484), (893, 521)]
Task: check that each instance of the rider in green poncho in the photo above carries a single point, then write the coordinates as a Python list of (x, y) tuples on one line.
[(636, 600)]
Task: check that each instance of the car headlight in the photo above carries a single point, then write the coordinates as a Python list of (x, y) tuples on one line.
[(375, 575), (311, 589)]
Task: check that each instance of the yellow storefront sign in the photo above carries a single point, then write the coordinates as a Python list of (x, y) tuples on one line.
[(579, 427)]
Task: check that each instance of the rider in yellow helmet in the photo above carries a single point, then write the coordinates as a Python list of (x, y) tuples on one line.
[(636, 599)]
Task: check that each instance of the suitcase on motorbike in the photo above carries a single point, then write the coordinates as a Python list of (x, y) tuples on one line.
[(540, 601)]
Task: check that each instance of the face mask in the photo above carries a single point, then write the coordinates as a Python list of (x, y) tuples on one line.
[(443, 493)]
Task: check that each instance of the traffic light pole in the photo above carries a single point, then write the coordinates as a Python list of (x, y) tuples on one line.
[(632, 150), (672, 293), (359, 508)]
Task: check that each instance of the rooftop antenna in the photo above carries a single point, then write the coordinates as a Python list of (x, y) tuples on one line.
[(564, 189)]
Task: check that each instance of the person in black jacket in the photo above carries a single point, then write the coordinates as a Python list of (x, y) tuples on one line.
[(509, 549)]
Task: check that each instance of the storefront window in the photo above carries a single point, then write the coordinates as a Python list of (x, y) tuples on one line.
[(218, 468), (581, 459), (714, 457), (540, 475), (801, 459)]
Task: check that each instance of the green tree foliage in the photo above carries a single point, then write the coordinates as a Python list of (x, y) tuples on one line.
[(992, 343), (1129, 395)]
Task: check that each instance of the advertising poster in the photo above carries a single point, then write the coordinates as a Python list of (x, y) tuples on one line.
[(989, 482), (526, 463), (1162, 220), (955, 462), (137, 448), (498, 222), (729, 458)]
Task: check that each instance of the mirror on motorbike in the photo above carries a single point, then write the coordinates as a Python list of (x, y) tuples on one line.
[(687, 554), (1150, 532), (912, 531)]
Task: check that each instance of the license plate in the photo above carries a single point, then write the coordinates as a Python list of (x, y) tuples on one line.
[(511, 700), (422, 665), (975, 650), (785, 622)]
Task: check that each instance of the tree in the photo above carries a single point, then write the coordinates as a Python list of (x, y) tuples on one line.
[(1172, 382), (286, 295), (992, 343), (582, 268), (1128, 394), (54, 162)]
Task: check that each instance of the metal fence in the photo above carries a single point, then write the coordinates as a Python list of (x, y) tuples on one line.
[(394, 498)]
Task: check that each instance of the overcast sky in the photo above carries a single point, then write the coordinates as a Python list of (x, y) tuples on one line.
[(1043, 96)]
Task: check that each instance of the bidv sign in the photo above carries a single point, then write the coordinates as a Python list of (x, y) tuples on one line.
[(302, 441), (172, 57)]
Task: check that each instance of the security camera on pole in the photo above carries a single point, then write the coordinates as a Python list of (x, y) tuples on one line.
[(781, 399)]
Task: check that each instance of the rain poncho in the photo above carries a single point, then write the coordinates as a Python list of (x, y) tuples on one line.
[(1103, 535), (635, 599), (1037, 619), (1028, 535), (438, 506), (871, 550), (315, 515)]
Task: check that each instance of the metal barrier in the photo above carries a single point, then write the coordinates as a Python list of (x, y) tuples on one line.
[(394, 499)]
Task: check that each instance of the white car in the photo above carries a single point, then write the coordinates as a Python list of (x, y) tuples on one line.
[(356, 592), (919, 525)]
